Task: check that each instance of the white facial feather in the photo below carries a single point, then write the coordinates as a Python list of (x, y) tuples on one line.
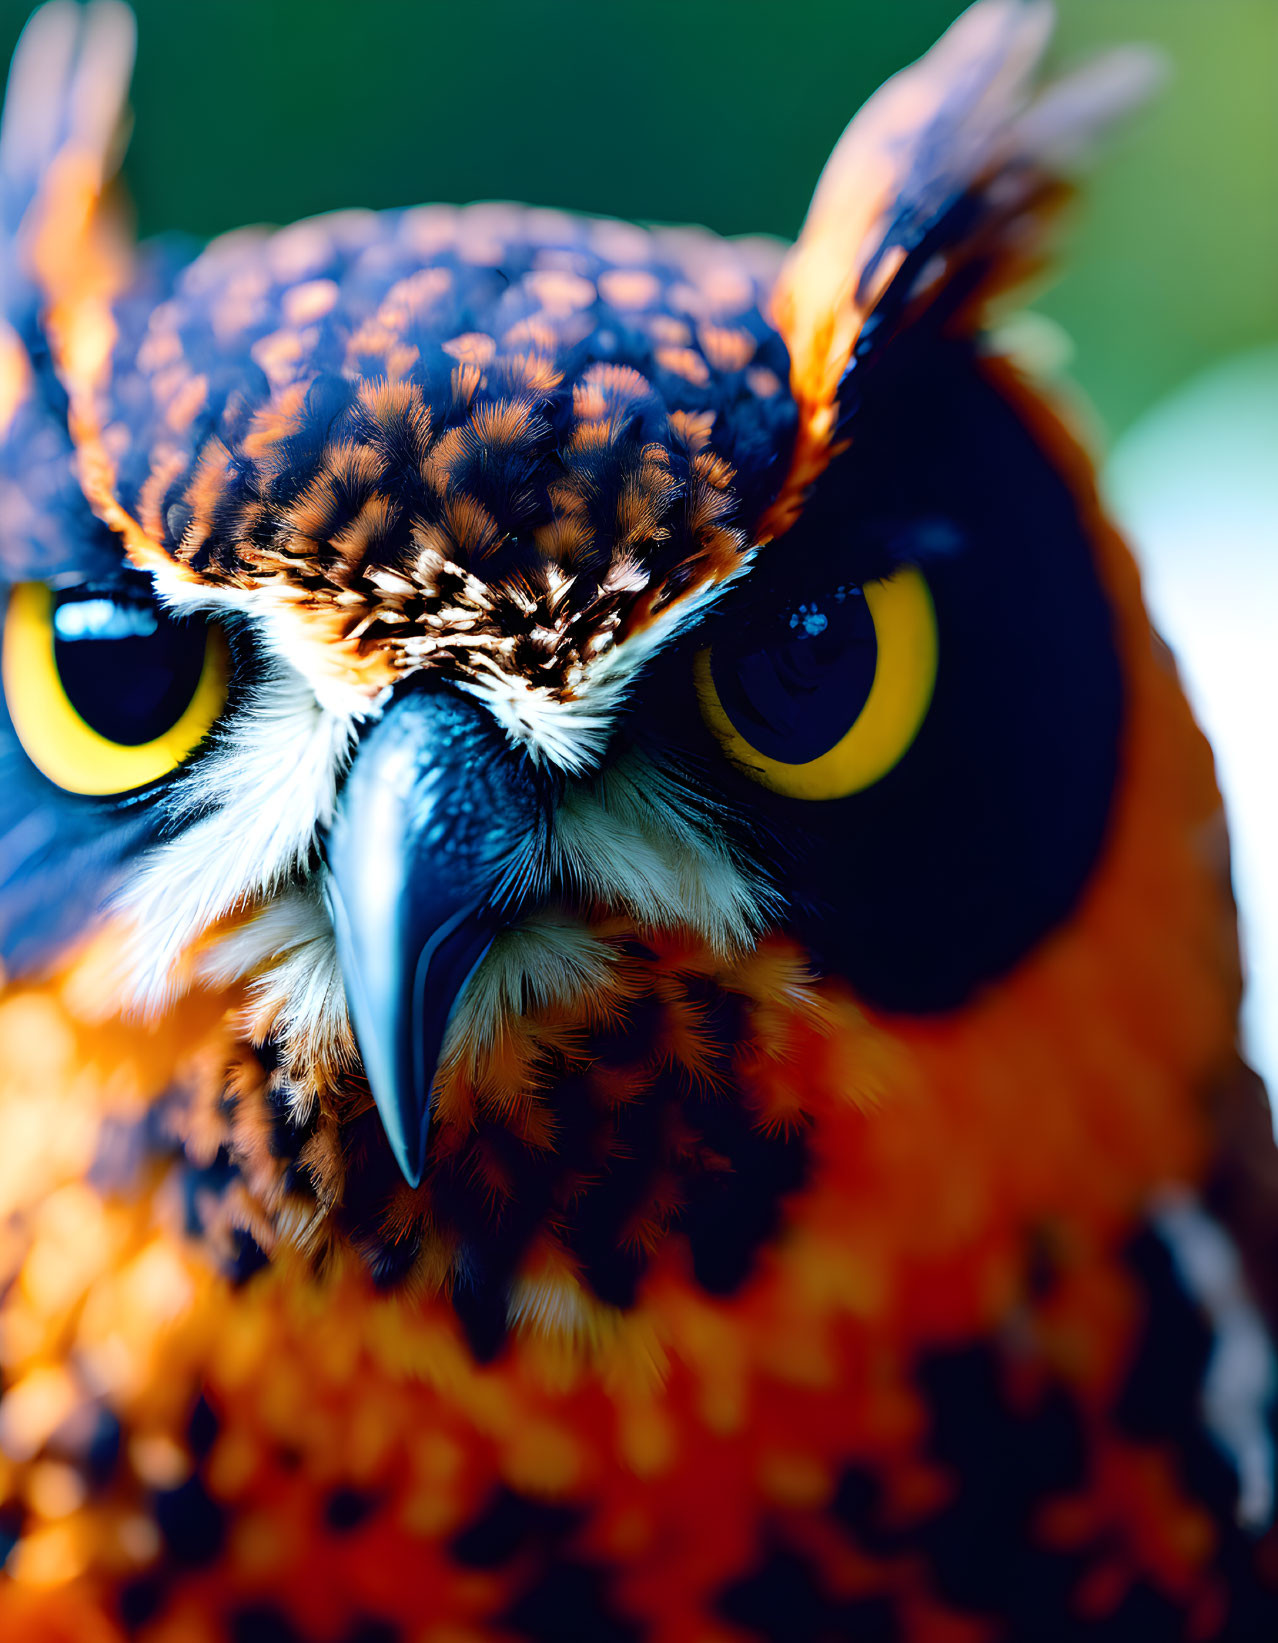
[(279, 636), (255, 805), (296, 993), (571, 734), (545, 959), (293, 919), (638, 839)]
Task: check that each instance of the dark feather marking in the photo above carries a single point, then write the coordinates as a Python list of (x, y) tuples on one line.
[(983, 1549), (782, 1601)]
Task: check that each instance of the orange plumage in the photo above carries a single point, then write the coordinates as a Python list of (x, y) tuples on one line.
[(738, 1298)]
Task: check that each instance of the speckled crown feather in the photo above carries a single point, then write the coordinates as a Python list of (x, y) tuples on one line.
[(491, 441)]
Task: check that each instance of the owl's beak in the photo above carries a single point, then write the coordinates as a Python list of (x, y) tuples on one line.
[(432, 814)]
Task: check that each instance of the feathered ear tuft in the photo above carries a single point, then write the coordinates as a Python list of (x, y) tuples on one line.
[(65, 252), (940, 187), (63, 256)]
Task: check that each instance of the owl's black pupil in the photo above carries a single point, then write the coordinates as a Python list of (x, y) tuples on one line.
[(798, 695), (129, 670)]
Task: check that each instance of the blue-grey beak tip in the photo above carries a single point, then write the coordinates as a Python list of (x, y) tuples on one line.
[(433, 805)]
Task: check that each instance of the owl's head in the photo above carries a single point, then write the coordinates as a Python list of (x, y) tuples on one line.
[(438, 629)]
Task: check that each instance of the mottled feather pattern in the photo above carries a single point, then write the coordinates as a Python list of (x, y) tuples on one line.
[(491, 442), (836, 1221)]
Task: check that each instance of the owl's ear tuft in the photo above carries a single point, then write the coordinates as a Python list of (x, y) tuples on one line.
[(65, 249), (64, 255), (936, 199)]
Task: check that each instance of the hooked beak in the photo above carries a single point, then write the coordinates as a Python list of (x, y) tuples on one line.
[(434, 808)]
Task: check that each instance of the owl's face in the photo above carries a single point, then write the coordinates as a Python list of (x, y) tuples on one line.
[(438, 629)]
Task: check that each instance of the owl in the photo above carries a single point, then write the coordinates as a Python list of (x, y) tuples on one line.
[(620, 977)]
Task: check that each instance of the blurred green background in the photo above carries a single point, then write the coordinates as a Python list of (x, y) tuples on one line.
[(715, 111)]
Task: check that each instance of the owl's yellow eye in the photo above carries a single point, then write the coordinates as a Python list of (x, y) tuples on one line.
[(108, 694), (827, 701)]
